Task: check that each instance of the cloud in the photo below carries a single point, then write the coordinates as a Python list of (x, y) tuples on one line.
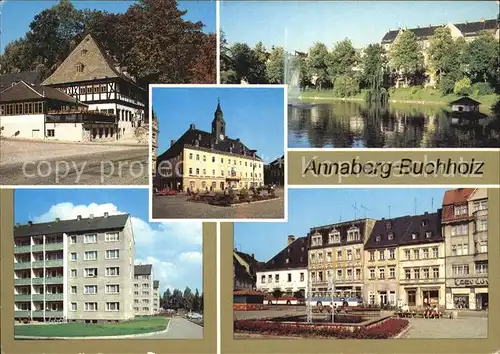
[(174, 249)]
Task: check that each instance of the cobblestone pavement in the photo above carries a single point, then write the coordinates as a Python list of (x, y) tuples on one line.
[(40, 163), (472, 327), (175, 207)]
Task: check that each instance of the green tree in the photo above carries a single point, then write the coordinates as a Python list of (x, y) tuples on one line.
[(483, 58), (405, 56), (462, 86), (187, 299), (227, 71), (176, 300), (277, 294), (318, 64), (201, 303), (374, 75), (196, 301), (345, 86), (342, 59), (15, 57), (261, 52), (166, 298), (275, 66), (246, 65)]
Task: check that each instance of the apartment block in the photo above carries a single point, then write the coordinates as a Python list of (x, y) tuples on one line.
[(78, 270), (156, 296), (465, 227), (144, 293)]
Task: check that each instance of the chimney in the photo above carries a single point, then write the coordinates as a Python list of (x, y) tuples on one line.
[(192, 127), (291, 238), (79, 217), (106, 214), (58, 219), (172, 142), (91, 216), (30, 223)]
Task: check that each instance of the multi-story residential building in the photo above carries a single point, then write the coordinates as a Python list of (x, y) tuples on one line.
[(201, 160), (336, 252), (245, 267), (381, 258), (465, 227), (77, 270), (143, 290), (91, 76), (274, 172), (287, 270), (156, 296), (422, 261)]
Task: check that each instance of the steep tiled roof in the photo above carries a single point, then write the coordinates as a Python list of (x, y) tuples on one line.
[(458, 195), (74, 226), (143, 269), (295, 253), (24, 92), (402, 228), (466, 101), (342, 227), (30, 77)]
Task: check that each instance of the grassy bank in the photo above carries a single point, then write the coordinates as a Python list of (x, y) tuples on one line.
[(138, 325), (410, 94)]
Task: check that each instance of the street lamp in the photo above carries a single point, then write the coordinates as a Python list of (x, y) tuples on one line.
[(332, 294)]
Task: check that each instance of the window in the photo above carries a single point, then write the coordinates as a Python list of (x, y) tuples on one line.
[(349, 274), (353, 234), (372, 256), (197, 170), (90, 289), (73, 306), (73, 273), (112, 237), (435, 252), (378, 238), (90, 256), (481, 268), (301, 276), (460, 269), (357, 274), (482, 247), (482, 225), (392, 254), (349, 255), (112, 289), (316, 240), (91, 306), (270, 278), (381, 273), (190, 155), (91, 272), (392, 273), (381, 255), (289, 277), (428, 234), (390, 236), (416, 254), (416, 273), (72, 240), (79, 68), (329, 257), (112, 254), (112, 271), (339, 274), (51, 133), (339, 255), (90, 239), (414, 236), (426, 253), (263, 279), (453, 250), (388, 225), (372, 273), (435, 272), (197, 157), (426, 273), (460, 210), (358, 253), (481, 205), (73, 256), (276, 278), (112, 306), (407, 274), (460, 230), (334, 237), (73, 289)]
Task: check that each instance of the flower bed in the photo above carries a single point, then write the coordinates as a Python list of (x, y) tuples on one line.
[(326, 319), (384, 330)]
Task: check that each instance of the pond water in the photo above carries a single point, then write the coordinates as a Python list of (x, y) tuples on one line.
[(354, 124)]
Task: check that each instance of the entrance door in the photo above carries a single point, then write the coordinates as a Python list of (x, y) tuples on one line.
[(383, 297), (411, 297), (222, 185)]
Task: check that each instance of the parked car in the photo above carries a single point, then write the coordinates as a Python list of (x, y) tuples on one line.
[(167, 191), (194, 316)]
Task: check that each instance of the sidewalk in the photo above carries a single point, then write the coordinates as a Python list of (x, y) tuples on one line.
[(124, 142)]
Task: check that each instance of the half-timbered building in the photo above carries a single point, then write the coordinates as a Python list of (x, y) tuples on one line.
[(91, 76)]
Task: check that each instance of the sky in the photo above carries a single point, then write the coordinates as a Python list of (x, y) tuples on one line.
[(18, 14), (174, 249), (255, 115), (315, 207), (297, 25)]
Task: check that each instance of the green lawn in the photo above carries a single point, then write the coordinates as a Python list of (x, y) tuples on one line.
[(136, 326), (408, 94)]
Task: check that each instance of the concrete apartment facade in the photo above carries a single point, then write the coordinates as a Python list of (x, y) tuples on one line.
[(144, 295), (465, 227), (336, 251), (201, 161), (75, 270), (287, 270), (156, 296)]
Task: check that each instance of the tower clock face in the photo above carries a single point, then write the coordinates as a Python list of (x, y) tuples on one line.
[(221, 137)]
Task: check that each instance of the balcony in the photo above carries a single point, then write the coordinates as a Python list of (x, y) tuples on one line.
[(36, 281), (79, 117), (479, 213), (480, 256), (37, 297), (37, 314), (22, 298), (22, 314), (37, 248), (22, 249), (54, 246), (49, 314), (54, 280), (54, 263), (22, 281), (54, 297), (22, 265), (38, 264)]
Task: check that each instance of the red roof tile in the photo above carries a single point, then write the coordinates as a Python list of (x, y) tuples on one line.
[(458, 195)]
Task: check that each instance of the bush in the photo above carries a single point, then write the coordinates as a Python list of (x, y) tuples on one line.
[(446, 85), (462, 86), (345, 86), (482, 88)]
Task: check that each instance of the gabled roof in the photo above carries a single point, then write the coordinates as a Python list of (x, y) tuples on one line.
[(97, 64), (457, 196), (402, 228), (74, 226), (143, 269), (25, 92), (30, 77), (241, 273), (279, 162), (465, 101), (205, 139), (341, 227), (249, 259), (296, 253)]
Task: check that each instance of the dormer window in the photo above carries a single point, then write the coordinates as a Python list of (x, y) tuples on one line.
[(353, 234), (428, 234), (425, 222), (79, 68), (316, 239), (287, 260), (413, 236), (388, 225), (390, 236), (334, 236), (378, 238), (196, 143), (84, 51)]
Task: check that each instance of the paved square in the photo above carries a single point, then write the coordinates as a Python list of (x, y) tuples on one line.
[(177, 207), (471, 327)]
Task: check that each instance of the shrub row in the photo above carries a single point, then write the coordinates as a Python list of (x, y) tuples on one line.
[(385, 330)]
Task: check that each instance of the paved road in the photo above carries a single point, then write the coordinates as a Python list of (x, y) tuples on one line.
[(472, 327), (125, 166), (180, 328), (177, 207)]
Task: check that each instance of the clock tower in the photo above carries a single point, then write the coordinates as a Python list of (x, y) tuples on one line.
[(218, 124)]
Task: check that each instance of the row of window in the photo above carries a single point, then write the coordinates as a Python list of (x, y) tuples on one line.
[(463, 229), (353, 234), (277, 278), (137, 309), (229, 161), (92, 238), (381, 273), (230, 173), (463, 249), (349, 275), (463, 269), (318, 257), (93, 272), (93, 306), (92, 255), (213, 186), (425, 273), (425, 253), (463, 210), (18, 109), (144, 301), (92, 289)]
